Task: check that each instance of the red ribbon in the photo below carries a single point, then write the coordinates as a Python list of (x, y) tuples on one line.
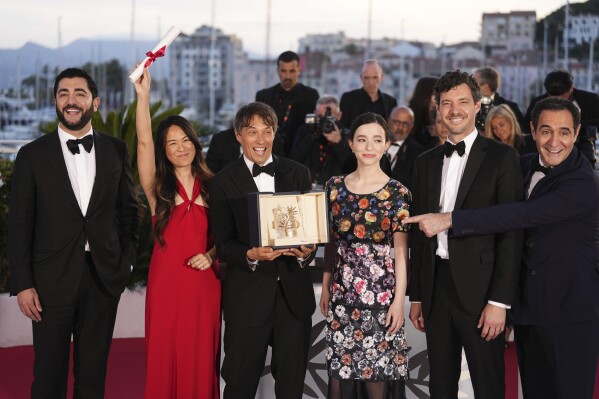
[(153, 56)]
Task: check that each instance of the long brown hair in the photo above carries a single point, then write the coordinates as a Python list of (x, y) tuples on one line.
[(165, 180)]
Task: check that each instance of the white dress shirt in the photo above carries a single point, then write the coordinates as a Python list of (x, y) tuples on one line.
[(393, 151), (453, 169), (81, 169), (535, 178), (264, 181)]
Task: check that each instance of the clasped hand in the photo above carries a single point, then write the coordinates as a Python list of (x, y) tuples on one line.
[(268, 253)]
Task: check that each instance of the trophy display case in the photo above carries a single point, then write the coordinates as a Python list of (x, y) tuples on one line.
[(284, 220)]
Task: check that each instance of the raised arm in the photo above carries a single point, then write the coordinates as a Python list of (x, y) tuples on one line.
[(145, 142)]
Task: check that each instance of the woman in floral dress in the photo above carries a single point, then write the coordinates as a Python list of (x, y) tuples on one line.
[(363, 289)]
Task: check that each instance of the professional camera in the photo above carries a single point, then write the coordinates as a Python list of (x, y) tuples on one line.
[(485, 106), (325, 124)]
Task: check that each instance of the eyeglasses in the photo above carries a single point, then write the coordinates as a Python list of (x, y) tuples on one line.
[(401, 123)]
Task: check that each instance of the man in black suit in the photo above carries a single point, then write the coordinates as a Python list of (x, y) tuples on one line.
[(73, 231), (557, 317), (404, 149), (368, 98), (488, 80), (560, 84), (268, 297), (460, 288), (290, 100)]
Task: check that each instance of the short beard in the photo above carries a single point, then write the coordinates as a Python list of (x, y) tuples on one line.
[(85, 118)]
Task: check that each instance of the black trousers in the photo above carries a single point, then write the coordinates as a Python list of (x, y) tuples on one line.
[(558, 361), (246, 347), (90, 320), (449, 328)]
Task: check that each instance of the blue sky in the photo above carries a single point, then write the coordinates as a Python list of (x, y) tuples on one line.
[(436, 21)]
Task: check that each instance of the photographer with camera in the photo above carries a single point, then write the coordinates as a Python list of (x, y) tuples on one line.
[(488, 80), (321, 144)]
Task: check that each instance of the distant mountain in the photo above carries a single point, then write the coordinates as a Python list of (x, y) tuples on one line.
[(76, 54)]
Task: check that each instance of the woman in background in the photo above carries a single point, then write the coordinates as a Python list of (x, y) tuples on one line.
[(501, 124), (183, 294), (438, 130), (422, 103), (363, 289)]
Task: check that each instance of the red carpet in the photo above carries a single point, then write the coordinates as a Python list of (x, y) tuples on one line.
[(126, 371), (125, 377)]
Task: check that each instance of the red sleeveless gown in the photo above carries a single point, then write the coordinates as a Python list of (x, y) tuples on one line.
[(183, 309)]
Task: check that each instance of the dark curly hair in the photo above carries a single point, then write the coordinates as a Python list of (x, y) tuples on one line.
[(455, 78), (165, 181)]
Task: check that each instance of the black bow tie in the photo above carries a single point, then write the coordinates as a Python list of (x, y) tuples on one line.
[(449, 148), (536, 166), (268, 168), (87, 142)]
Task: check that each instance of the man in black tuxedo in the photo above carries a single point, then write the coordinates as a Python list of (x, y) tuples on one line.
[(368, 98), (460, 288), (557, 317), (290, 100), (488, 80), (73, 231), (404, 149), (560, 84), (268, 297)]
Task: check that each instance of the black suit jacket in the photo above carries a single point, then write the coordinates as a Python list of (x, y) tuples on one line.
[(303, 101), (310, 146), (356, 102), (249, 296), (223, 150), (589, 116), (47, 230), (560, 277), (404, 166), (483, 268)]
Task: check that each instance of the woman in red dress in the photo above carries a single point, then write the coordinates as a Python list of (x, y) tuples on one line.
[(183, 294)]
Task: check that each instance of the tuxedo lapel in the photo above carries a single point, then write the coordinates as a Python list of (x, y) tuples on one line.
[(283, 177), (473, 164), (435, 171), (101, 149), (242, 178), (57, 163)]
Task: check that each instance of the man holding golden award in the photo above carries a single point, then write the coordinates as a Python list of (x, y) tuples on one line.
[(267, 240)]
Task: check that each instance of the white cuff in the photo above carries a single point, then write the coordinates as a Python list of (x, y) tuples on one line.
[(251, 264), (300, 262), (498, 304)]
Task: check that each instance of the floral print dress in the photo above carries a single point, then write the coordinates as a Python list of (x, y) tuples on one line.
[(363, 283)]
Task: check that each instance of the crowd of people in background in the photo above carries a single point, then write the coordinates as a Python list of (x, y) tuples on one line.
[(514, 188)]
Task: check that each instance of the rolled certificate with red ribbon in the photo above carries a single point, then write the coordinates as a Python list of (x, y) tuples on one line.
[(157, 52)]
